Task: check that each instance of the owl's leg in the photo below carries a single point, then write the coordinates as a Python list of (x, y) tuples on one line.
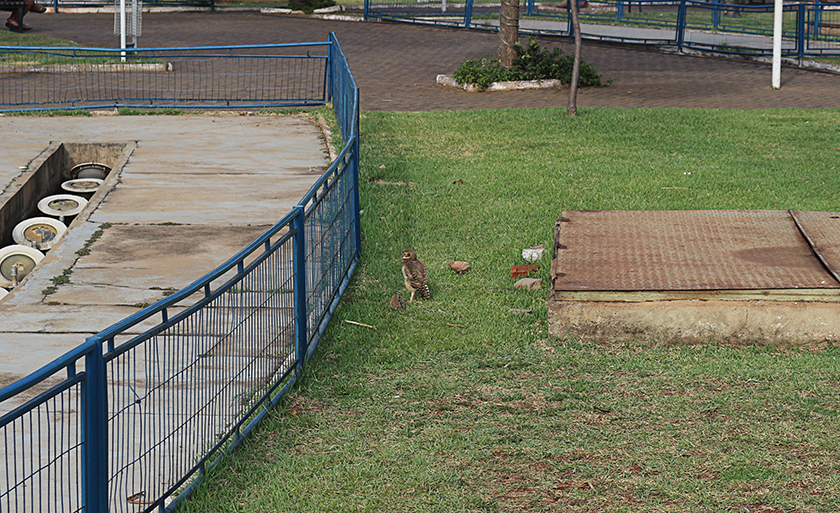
[(412, 296)]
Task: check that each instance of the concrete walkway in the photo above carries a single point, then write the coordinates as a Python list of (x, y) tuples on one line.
[(195, 190)]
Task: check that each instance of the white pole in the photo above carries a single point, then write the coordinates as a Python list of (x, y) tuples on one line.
[(777, 45), (122, 28)]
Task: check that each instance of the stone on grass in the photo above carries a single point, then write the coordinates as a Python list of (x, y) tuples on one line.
[(459, 266), (521, 271), (528, 284), (533, 253)]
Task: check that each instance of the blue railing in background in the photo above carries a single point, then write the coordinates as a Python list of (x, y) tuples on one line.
[(809, 29), (240, 76), (129, 422)]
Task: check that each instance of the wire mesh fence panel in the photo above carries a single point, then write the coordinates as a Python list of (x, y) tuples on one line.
[(41, 444), (330, 230), (178, 395), (343, 87), (747, 19), (653, 13), (740, 29), (823, 28), (213, 77)]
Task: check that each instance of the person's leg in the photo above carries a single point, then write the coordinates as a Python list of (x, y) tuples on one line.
[(16, 22), (14, 18), (35, 7)]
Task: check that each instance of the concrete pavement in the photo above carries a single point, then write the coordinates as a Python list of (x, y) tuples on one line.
[(195, 190)]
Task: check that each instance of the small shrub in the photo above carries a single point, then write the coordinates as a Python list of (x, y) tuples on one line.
[(531, 63)]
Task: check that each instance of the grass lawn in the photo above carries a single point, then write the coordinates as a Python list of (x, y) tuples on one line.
[(9, 38), (457, 404)]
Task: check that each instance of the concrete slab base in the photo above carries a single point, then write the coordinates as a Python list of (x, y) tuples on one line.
[(695, 321)]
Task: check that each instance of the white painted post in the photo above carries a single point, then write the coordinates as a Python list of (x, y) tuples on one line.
[(122, 29), (777, 45)]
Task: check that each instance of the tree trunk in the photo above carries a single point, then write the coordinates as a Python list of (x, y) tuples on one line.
[(571, 109), (508, 32)]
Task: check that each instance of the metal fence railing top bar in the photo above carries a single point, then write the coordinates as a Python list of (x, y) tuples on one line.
[(127, 421), (160, 49)]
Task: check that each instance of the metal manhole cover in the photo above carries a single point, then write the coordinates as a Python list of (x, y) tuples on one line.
[(692, 250)]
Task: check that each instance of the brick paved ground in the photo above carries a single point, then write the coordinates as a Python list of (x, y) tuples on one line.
[(395, 64)]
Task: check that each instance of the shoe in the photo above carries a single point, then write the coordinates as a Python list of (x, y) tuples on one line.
[(24, 26), (38, 8), (13, 25)]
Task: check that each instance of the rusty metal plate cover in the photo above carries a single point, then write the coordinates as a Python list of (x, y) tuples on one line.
[(824, 230), (686, 250)]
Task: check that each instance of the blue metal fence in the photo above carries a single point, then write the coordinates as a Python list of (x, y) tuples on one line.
[(240, 76), (808, 28), (128, 421)]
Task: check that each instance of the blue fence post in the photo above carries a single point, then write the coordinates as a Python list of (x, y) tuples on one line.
[(367, 6), (468, 13), (95, 431), (356, 203), (619, 9), (681, 25), (299, 266), (716, 15), (817, 18), (800, 29), (569, 26), (331, 63)]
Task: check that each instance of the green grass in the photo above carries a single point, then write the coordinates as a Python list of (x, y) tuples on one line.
[(827, 60), (456, 404), (9, 38)]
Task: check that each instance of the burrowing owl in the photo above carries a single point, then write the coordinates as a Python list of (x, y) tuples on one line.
[(414, 272)]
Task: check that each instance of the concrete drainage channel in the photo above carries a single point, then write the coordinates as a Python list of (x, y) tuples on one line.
[(48, 199)]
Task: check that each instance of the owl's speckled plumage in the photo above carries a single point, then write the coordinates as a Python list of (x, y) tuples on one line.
[(414, 272)]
